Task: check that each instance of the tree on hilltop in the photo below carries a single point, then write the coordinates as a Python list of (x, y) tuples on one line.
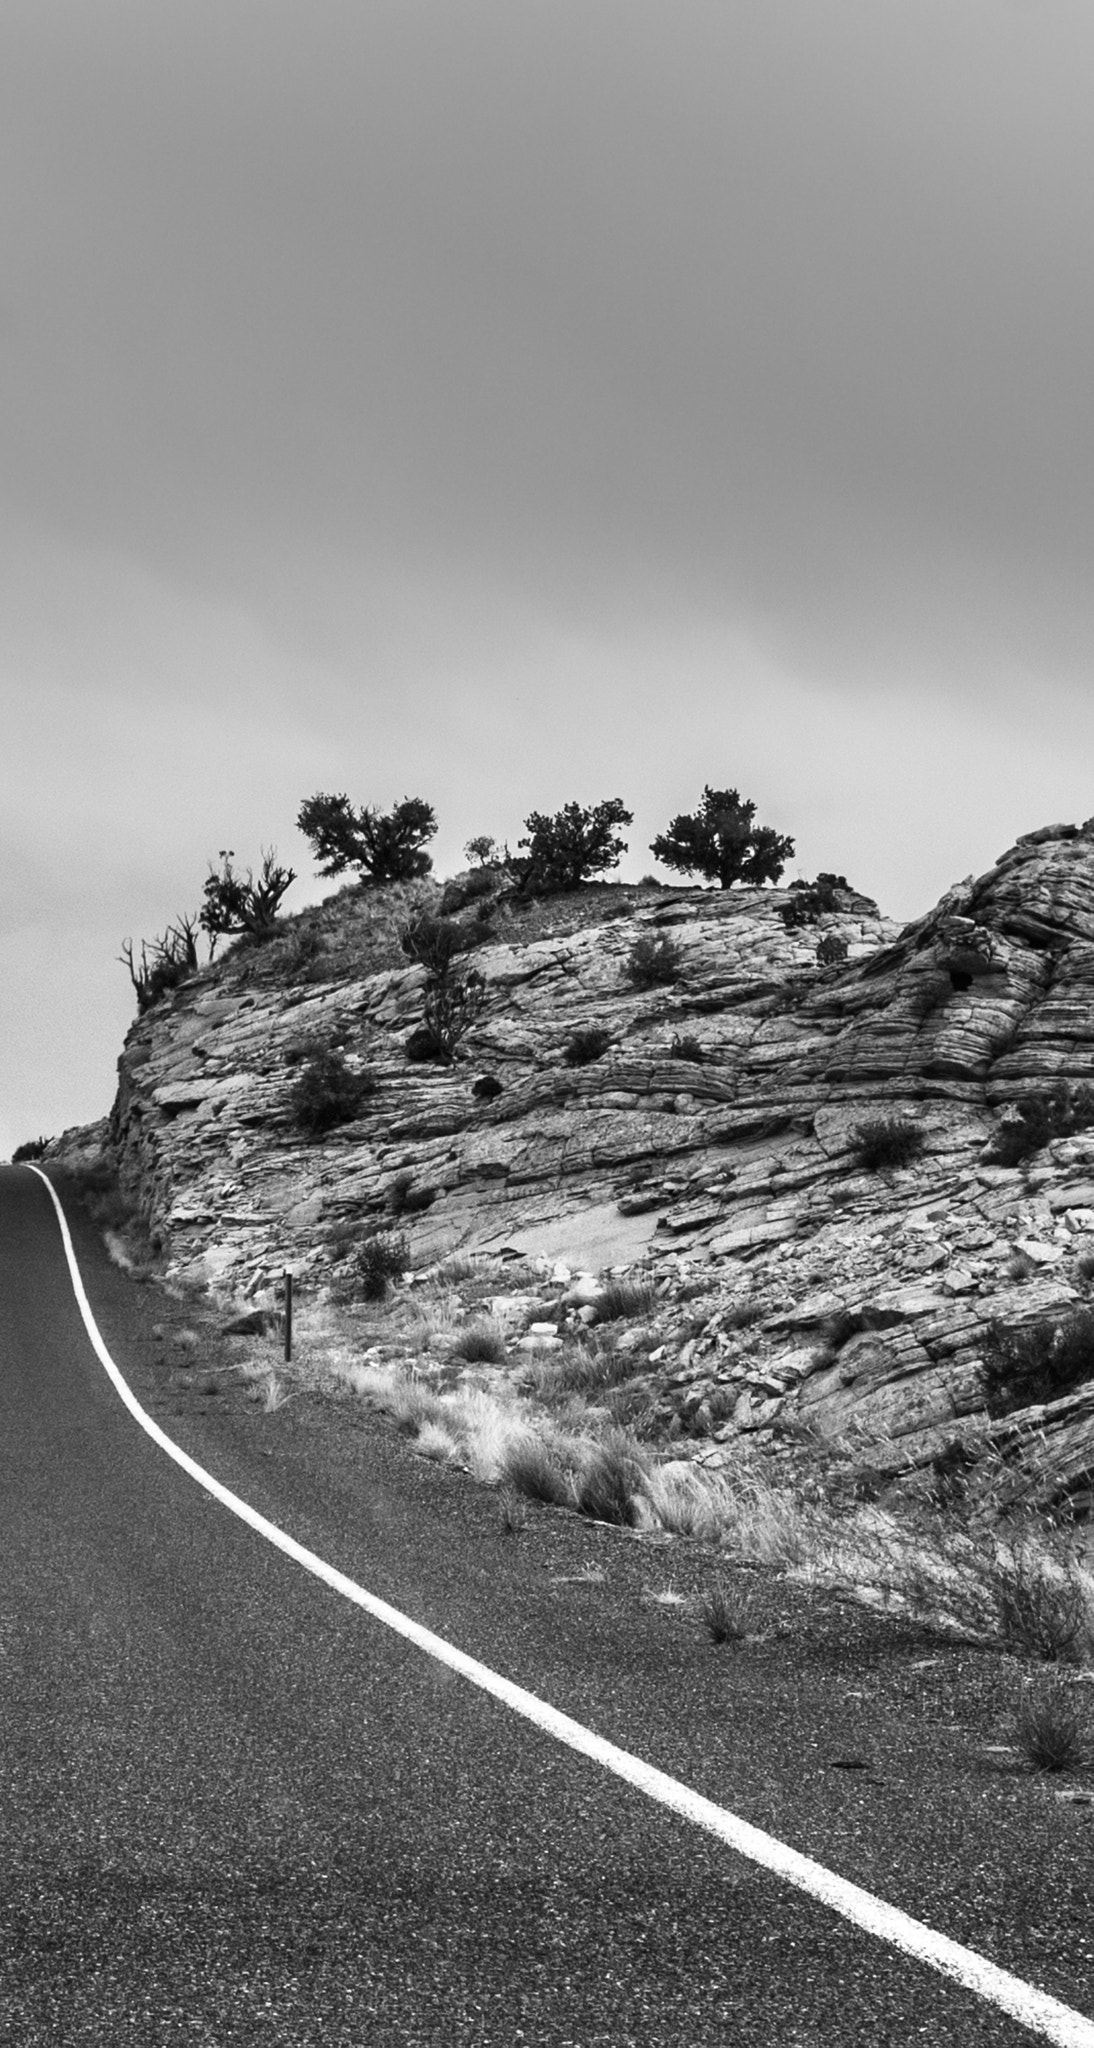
[(722, 842), (385, 846), (247, 904), (570, 847)]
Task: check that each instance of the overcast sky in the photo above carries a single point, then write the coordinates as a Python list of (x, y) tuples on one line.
[(505, 401)]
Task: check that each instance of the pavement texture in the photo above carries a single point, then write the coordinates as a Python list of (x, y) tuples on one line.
[(237, 1810)]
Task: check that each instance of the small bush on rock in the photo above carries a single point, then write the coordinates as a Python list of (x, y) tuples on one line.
[(487, 1088), (1032, 1123), (654, 962), (831, 950), (383, 1257), (887, 1142), (687, 1049), (434, 942), (809, 900), (586, 1046), (404, 1199), (328, 1092), (1038, 1362)]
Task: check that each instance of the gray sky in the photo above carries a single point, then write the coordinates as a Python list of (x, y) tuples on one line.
[(504, 401)]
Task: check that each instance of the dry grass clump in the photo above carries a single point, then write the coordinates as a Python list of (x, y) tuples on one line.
[(588, 1369), (533, 1470), (611, 1479), (743, 1511), (481, 1343), (624, 1300), (1050, 1726), (728, 1613)]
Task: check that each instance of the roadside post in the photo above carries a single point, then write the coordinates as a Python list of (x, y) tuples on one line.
[(288, 1317)]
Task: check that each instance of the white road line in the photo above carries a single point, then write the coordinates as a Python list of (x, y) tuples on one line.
[(1034, 2009)]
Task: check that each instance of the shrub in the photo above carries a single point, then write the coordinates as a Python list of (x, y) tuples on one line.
[(382, 1258), (487, 1088), (171, 961), (327, 1092), (609, 1479), (451, 1007), (887, 1142), (1038, 1362), (1050, 1727), (586, 1046), (404, 1199), (721, 842), (481, 1343), (654, 962), (567, 849), (434, 943), (384, 846), (625, 1301), (687, 1049), (1039, 1117), (237, 904), (831, 950), (420, 1046), (472, 888), (727, 1612), (809, 900), (32, 1148), (1041, 1602)]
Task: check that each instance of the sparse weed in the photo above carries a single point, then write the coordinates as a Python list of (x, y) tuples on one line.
[(514, 1514)]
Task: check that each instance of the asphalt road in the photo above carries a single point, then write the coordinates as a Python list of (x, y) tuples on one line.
[(235, 1809)]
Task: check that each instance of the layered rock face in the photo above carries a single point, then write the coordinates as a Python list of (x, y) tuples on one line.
[(716, 1139)]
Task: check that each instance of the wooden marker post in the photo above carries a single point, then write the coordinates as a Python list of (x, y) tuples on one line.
[(288, 1318)]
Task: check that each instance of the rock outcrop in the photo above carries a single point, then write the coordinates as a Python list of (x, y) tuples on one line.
[(717, 1139)]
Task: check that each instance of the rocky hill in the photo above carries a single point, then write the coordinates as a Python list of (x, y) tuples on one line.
[(812, 1271)]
